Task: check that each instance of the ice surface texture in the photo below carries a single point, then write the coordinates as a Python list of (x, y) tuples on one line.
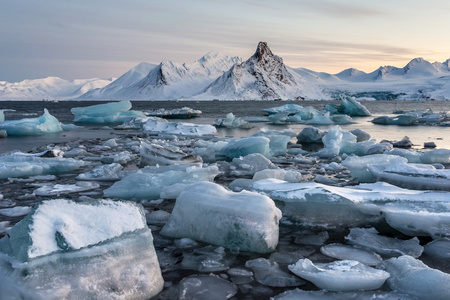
[(99, 249), (207, 212), (32, 126)]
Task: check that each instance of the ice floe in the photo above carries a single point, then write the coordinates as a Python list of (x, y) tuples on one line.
[(340, 276), (346, 252), (370, 239)]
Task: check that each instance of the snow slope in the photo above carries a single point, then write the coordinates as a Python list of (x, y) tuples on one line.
[(49, 88), (168, 80)]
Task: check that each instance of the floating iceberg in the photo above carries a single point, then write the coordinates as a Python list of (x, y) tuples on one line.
[(438, 248), (344, 252), (230, 121), (114, 112), (359, 166), (323, 205), (108, 172), (403, 120), (370, 239), (158, 126), (344, 275), (413, 277), (286, 175), (250, 164), (62, 189), (177, 113), (149, 185), (164, 153), (412, 176), (349, 106), (310, 135), (24, 166), (32, 126), (427, 218), (298, 294), (99, 249), (287, 108), (209, 213), (269, 273), (334, 140), (204, 287), (436, 156), (246, 146)]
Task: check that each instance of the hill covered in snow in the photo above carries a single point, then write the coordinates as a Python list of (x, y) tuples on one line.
[(263, 76), (50, 88)]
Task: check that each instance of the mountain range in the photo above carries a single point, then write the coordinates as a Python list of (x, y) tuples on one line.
[(263, 76)]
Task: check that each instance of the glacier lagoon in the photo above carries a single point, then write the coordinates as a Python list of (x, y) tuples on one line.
[(189, 265)]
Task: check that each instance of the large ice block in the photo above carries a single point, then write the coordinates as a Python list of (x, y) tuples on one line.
[(32, 126), (105, 113), (100, 249), (209, 213)]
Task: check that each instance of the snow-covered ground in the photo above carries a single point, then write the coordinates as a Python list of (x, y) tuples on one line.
[(263, 76)]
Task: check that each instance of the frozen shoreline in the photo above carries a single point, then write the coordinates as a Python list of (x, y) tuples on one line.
[(184, 259)]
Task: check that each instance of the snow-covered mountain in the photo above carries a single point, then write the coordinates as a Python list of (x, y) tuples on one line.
[(417, 80), (262, 77), (49, 88), (168, 80)]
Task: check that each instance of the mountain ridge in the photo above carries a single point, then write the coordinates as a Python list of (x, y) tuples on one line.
[(263, 76)]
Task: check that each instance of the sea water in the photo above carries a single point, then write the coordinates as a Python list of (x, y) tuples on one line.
[(218, 109)]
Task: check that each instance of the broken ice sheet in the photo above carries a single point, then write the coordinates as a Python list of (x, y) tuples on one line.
[(370, 239), (206, 287), (344, 275), (269, 273), (146, 184), (413, 277), (25, 166), (61, 189), (343, 252), (108, 172)]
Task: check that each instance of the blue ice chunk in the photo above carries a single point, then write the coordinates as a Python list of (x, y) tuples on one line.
[(105, 113), (32, 126)]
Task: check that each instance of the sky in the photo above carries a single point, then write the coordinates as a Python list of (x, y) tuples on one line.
[(104, 39)]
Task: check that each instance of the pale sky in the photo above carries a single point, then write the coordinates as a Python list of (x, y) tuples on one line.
[(98, 38)]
